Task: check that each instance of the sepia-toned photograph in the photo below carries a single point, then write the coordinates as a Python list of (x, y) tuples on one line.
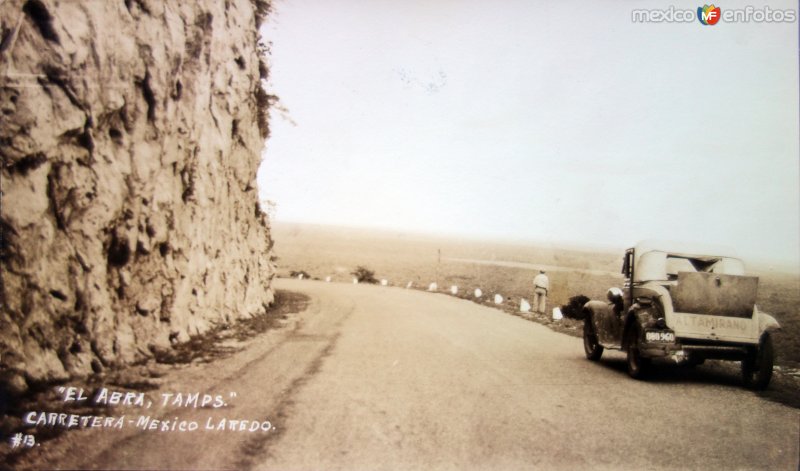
[(399, 235)]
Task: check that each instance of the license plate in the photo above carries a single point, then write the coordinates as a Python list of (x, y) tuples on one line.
[(659, 336)]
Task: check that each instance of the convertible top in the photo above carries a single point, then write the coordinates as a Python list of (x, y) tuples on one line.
[(683, 249), (663, 260)]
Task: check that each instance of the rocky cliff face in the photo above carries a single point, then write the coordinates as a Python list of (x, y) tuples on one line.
[(130, 138)]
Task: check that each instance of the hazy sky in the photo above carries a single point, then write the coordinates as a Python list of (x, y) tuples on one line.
[(553, 121)]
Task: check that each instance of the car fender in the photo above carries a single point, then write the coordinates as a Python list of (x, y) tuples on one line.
[(766, 323), (639, 315), (593, 310), (597, 313)]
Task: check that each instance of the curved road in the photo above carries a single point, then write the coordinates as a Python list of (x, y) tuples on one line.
[(371, 377)]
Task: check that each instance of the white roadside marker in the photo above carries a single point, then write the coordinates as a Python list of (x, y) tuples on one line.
[(524, 306), (478, 293), (498, 299)]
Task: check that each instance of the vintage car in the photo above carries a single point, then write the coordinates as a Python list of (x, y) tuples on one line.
[(683, 303)]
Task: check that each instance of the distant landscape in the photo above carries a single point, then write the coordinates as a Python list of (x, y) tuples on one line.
[(505, 268)]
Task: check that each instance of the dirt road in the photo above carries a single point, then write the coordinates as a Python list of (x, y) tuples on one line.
[(385, 378)]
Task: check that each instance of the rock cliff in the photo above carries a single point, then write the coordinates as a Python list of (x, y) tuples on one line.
[(130, 137)]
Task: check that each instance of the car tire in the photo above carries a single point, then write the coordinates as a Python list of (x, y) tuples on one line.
[(591, 346), (637, 366), (757, 366)]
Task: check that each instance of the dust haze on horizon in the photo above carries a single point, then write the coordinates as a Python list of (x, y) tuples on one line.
[(562, 123), (302, 232)]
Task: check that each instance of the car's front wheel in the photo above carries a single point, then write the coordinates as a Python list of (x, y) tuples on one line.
[(591, 346), (637, 366), (757, 366)]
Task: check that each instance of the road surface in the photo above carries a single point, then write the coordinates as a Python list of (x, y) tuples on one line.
[(375, 378)]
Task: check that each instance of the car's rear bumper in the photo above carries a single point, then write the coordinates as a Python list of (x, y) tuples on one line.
[(680, 351)]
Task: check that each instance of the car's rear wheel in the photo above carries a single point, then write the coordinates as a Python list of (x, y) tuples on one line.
[(591, 346), (757, 366), (637, 366)]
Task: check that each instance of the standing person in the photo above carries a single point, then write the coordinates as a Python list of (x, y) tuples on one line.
[(541, 284)]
